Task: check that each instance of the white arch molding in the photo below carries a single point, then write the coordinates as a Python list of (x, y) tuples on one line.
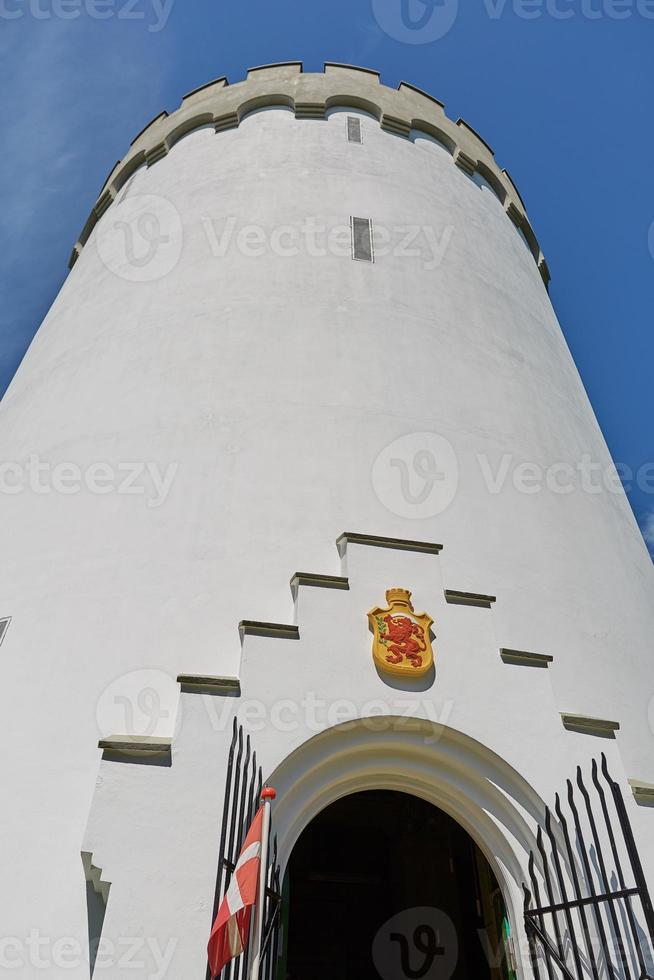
[(454, 772)]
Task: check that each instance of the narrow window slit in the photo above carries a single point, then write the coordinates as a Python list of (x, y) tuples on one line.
[(354, 130), (362, 245)]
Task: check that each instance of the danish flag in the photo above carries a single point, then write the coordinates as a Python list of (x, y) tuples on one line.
[(229, 936)]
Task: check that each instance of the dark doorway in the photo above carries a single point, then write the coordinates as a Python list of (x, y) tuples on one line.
[(384, 885)]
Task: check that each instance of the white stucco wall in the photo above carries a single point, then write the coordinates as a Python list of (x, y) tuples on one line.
[(271, 384), (482, 740)]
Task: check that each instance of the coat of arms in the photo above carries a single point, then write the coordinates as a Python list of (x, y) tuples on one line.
[(402, 643)]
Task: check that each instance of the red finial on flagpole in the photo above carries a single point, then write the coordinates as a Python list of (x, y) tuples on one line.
[(268, 793)]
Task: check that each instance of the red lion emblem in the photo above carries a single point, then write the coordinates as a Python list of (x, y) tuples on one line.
[(400, 640)]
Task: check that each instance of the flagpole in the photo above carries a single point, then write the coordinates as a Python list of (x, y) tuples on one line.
[(268, 794)]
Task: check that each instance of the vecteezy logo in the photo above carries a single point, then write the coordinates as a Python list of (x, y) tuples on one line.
[(140, 238), (142, 702), (416, 476), (650, 239), (417, 944), (416, 21)]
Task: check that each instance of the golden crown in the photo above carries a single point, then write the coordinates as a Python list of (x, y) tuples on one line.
[(400, 597)]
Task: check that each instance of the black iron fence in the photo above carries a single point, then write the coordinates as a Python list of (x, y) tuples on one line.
[(588, 912), (242, 795)]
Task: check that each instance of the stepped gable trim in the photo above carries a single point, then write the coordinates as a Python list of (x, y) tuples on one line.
[(136, 745), (252, 627), (522, 658), (319, 581), (93, 875), (209, 683), (402, 110), (469, 598), (643, 792), (376, 541), (585, 725)]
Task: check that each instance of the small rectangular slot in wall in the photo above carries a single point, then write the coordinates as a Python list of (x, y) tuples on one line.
[(362, 239), (354, 130)]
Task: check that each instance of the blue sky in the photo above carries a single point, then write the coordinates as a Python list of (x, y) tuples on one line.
[(562, 89)]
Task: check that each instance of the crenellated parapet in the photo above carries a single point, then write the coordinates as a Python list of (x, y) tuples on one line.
[(310, 96)]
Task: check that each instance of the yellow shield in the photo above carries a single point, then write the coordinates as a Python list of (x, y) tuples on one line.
[(402, 641)]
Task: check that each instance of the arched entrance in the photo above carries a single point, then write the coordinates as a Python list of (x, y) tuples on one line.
[(383, 884)]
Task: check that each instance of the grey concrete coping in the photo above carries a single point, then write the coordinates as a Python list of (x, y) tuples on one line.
[(136, 745), (643, 792), (275, 67), (219, 82), (319, 581), (374, 540), (522, 658), (584, 725), (158, 118), (469, 598), (310, 95), (251, 627), (209, 683)]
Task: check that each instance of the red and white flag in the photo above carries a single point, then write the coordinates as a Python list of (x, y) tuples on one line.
[(229, 936)]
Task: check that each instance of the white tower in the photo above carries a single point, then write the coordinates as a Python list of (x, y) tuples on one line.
[(305, 308)]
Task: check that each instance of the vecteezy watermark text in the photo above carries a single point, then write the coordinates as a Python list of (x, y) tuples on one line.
[(41, 477), (417, 475), (144, 702), (154, 13), (142, 237), (416, 21), (563, 477), (418, 942), (67, 953), (317, 240), (426, 21), (567, 9), (317, 714), (141, 702)]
